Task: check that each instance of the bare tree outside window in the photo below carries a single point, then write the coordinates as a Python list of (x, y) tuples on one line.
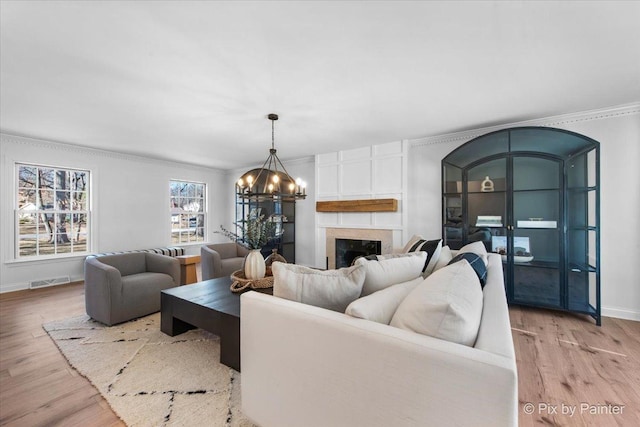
[(52, 215), (187, 211)]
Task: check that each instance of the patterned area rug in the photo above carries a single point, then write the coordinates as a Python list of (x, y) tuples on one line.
[(149, 378)]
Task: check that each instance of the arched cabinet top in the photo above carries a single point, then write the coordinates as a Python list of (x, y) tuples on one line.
[(531, 140)]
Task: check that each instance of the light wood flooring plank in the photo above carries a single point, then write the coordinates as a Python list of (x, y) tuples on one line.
[(37, 385), (566, 363)]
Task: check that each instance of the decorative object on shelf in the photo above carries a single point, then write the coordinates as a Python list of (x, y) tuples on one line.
[(489, 221), (271, 181), (520, 259), (537, 223), (273, 257), (240, 282), (486, 185), (254, 265), (521, 251)]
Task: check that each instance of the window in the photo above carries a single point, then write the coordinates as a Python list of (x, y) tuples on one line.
[(187, 202), (53, 211)]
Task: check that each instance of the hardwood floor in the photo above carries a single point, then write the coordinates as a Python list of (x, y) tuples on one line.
[(37, 385), (568, 364), (564, 361)]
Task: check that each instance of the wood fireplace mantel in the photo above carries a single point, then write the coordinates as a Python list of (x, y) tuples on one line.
[(367, 205)]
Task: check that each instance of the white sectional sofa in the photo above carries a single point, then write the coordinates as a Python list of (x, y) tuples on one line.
[(308, 366)]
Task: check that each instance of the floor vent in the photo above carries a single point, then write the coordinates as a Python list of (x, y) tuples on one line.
[(49, 282)]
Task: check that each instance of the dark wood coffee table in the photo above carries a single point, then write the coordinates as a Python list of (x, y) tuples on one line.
[(208, 305)]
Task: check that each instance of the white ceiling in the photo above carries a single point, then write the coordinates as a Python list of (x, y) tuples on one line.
[(194, 81)]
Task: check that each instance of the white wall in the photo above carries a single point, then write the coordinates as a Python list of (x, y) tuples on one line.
[(129, 199), (375, 172), (618, 131)]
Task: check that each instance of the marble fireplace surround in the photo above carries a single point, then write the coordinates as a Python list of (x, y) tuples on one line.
[(384, 236)]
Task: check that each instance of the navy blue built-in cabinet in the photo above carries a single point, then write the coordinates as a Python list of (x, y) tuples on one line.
[(532, 195)]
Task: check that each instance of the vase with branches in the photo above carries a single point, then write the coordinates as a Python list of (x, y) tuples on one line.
[(256, 231)]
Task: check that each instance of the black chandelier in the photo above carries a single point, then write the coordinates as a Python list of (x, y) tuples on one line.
[(271, 181)]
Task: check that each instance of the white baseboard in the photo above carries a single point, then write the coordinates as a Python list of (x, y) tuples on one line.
[(14, 287), (621, 313)]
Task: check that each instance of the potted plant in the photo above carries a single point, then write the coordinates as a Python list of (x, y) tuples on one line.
[(256, 232)]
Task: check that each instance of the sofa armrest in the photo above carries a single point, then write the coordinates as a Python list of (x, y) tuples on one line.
[(242, 251), (332, 369), (102, 287), (494, 334), (210, 262), (157, 263)]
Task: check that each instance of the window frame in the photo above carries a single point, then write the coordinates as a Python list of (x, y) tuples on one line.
[(52, 215), (175, 210)]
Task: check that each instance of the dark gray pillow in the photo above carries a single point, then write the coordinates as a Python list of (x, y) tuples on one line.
[(476, 263)]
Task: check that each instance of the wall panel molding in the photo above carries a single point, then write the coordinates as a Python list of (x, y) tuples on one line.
[(368, 173)]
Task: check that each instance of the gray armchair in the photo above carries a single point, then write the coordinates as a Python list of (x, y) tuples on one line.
[(125, 286), (221, 259)]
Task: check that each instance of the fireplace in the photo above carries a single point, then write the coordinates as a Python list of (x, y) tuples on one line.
[(371, 241), (349, 249)]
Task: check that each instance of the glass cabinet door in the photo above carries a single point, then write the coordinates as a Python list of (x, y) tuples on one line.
[(452, 206), (487, 204), (582, 233), (535, 244)]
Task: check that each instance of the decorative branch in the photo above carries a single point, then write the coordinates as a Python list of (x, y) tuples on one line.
[(256, 232)]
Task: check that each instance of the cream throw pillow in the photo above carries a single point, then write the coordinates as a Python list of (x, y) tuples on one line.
[(330, 289), (380, 306), (386, 272), (445, 257), (446, 305)]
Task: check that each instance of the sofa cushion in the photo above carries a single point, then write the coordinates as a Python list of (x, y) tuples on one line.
[(476, 248), (443, 260), (432, 248), (390, 269), (476, 263), (446, 305), (380, 306), (330, 289), (229, 265)]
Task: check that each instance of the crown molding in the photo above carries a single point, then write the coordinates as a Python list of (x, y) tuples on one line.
[(551, 121), (62, 146)]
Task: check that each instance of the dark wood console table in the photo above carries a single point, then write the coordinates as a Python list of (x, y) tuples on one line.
[(208, 305)]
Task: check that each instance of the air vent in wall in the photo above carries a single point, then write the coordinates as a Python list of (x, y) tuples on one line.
[(48, 282)]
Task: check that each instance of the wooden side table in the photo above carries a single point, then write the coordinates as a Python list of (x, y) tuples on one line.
[(188, 273)]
